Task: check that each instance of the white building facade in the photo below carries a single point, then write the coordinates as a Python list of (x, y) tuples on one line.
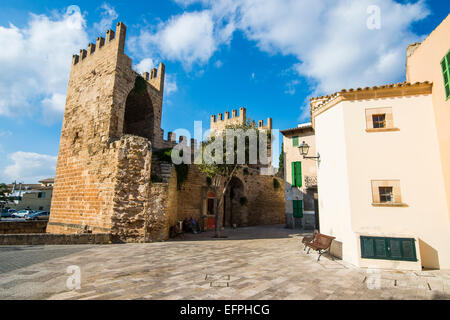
[(381, 185)]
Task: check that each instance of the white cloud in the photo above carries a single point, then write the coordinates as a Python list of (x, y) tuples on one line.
[(108, 14), (5, 133), (145, 65), (35, 66), (329, 38), (53, 107), (191, 37), (187, 38), (290, 87), (170, 85), (29, 167)]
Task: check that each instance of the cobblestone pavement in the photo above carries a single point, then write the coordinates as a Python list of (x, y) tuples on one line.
[(252, 263)]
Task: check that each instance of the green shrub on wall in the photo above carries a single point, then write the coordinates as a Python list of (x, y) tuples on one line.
[(276, 183), (182, 173), (140, 85), (243, 201), (164, 155)]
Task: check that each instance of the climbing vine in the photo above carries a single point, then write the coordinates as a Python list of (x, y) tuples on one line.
[(165, 155), (276, 183), (182, 173)]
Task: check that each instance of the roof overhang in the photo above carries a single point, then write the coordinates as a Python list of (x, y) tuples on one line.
[(321, 104)]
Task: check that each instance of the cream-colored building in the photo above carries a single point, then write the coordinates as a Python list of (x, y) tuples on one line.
[(300, 177), (384, 169), (34, 197)]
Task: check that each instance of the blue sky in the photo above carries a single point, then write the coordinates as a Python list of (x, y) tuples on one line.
[(269, 56)]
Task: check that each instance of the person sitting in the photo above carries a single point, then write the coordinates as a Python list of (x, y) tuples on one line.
[(187, 227), (194, 225)]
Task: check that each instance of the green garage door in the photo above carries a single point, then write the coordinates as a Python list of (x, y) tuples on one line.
[(403, 249)]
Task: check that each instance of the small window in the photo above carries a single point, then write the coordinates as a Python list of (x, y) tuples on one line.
[(445, 65), (379, 121), (295, 141), (41, 195), (386, 194)]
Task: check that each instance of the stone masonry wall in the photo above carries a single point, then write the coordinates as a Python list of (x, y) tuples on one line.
[(131, 204), (266, 205), (53, 239), (22, 227)]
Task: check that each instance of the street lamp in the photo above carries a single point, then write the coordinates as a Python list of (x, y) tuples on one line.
[(304, 150)]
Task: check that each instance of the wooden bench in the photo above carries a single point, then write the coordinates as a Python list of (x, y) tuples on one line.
[(309, 239), (321, 244)]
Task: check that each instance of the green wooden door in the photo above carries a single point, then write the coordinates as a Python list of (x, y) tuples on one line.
[(298, 208)]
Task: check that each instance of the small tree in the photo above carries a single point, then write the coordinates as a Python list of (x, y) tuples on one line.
[(281, 161), (4, 198), (220, 173)]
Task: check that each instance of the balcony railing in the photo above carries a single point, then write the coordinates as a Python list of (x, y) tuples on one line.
[(310, 181)]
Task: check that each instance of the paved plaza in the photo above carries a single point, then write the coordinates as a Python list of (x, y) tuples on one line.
[(251, 263)]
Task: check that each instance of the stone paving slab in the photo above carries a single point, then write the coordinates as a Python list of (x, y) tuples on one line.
[(252, 263)]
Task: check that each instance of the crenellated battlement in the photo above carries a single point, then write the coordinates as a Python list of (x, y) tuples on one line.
[(116, 38), (220, 122), (268, 126), (156, 77)]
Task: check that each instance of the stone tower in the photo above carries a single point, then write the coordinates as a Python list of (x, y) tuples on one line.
[(112, 121), (219, 123)]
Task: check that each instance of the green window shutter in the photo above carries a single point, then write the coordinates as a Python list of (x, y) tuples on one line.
[(295, 142), (293, 173), (388, 248), (298, 174), (445, 65), (409, 249), (380, 248), (298, 208), (367, 247), (395, 251)]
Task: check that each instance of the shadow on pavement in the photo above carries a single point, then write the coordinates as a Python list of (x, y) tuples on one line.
[(246, 233), (17, 257)]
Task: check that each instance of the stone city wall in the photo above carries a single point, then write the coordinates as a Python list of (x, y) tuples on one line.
[(22, 227), (53, 239)]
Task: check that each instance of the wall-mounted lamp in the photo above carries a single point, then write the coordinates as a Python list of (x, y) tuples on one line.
[(304, 150)]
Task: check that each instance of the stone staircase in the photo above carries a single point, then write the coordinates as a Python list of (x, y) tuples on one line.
[(166, 171), (161, 171)]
